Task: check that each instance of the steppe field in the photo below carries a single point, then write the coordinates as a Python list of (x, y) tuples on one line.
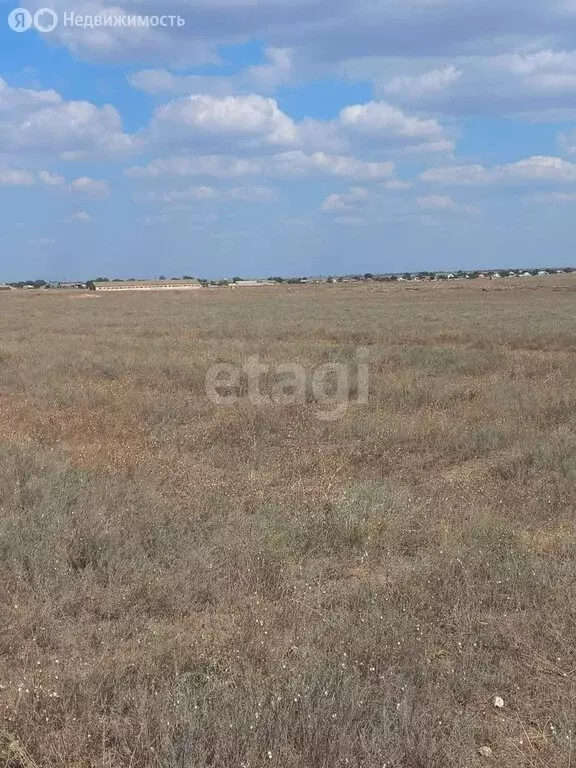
[(186, 584)]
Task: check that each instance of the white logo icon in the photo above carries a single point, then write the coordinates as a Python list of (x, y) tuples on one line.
[(45, 20), (20, 20)]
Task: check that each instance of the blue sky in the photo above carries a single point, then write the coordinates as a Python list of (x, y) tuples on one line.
[(289, 137)]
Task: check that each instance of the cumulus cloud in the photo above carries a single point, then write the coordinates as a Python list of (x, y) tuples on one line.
[(50, 179), (251, 194), (81, 216), (538, 84), (25, 99), (252, 120), (24, 178), (245, 194), (78, 217), (324, 30), (216, 166), (290, 165), (416, 86), (41, 122), (87, 187), (533, 169), (380, 120), (117, 43), (297, 164), (277, 70), (357, 197)]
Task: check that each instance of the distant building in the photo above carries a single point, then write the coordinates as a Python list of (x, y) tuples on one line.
[(76, 285), (144, 285), (4, 287), (251, 283)]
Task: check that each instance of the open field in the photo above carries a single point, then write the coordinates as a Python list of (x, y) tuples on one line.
[(186, 584)]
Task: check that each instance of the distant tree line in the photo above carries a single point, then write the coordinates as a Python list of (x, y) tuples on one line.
[(367, 276)]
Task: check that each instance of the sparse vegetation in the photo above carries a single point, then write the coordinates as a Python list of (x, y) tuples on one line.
[(191, 585)]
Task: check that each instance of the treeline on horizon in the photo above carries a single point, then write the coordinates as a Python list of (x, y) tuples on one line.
[(377, 277)]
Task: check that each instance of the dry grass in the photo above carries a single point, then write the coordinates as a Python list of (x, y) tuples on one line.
[(191, 585)]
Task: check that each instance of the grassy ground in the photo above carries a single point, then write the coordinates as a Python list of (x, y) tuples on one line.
[(186, 584)]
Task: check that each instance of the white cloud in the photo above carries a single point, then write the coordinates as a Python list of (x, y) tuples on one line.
[(124, 43), (51, 180), (256, 123), (245, 194), (81, 216), (36, 121), (538, 84), (442, 147), (355, 198), (290, 165), (567, 143), (436, 202), (216, 166), (262, 78), (323, 31), (16, 178), (176, 195), (298, 164), (457, 174), (540, 169), (414, 86), (533, 169), (380, 120), (24, 178), (193, 219), (78, 217), (252, 194), (88, 187), (25, 99), (279, 69), (442, 203), (251, 120)]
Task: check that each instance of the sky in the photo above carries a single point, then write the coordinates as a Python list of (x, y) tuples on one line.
[(286, 137)]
